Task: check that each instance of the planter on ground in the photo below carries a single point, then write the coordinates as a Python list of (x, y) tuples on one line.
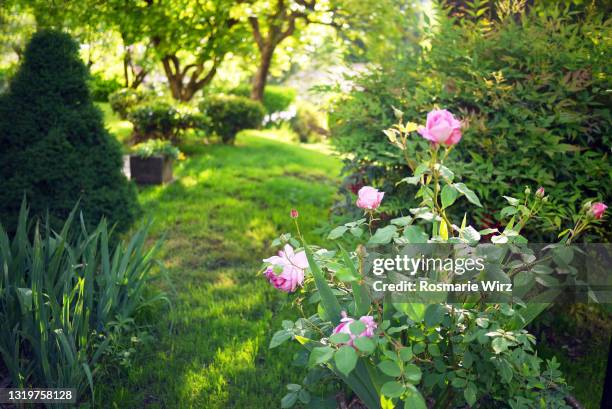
[(153, 170)]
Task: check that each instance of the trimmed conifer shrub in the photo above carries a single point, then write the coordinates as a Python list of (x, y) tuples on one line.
[(54, 147)]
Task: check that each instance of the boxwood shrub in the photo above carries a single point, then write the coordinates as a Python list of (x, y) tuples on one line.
[(533, 92), (276, 98), (230, 114)]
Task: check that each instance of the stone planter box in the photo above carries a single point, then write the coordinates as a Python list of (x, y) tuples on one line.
[(154, 170)]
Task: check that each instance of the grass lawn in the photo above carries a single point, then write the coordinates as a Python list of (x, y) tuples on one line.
[(219, 217)]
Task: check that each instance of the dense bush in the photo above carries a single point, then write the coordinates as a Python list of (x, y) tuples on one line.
[(101, 87), (55, 148), (154, 120), (276, 98), (230, 114), (307, 123), (532, 91), (124, 100), (158, 119), (66, 296)]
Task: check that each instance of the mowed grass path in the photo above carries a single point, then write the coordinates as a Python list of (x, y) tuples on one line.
[(219, 217)]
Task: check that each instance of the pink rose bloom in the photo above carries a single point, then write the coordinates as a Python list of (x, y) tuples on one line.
[(369, 198), (344, 327), (286, 271), (441, 128), (598, 209)]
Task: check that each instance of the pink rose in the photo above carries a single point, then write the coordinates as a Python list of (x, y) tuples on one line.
[(598, 209), (441, 128), (369, 198), (286, 271), (344, 327), (540, 192)]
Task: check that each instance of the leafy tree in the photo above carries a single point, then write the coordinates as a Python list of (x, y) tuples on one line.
[(273, 22), (190, 38), (55, 148)]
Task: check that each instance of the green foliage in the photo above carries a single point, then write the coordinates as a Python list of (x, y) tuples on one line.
[(230, 114), (100, 87), (124, 100), (54, 145), (155, 120), (307, 123), (276, 98), (156, 147), (63, 296), (533, 97), (158, 119)]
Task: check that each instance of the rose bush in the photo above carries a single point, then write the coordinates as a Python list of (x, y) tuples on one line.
[(417, 355)]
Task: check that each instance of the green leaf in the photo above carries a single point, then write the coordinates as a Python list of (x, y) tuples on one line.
[(406, 354), (289, 400), (337, 232), (513, 201), (470, 394), (414, 399), (411, 180), (279, 337), (345, 359), (468, 193), (415, 235), (402, 221), (446, 173), (294, 387), (508, 211), (340, 338), (357, 327), (449, 195), (365, 344), (433, 349), (434, 314), (499, 344), (320, 355), (390, 368), (412, 373), (392, 389), (384, 235), (360, 292), (328, 299)]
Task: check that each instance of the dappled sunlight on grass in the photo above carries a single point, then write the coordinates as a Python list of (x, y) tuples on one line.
[(218, 218)]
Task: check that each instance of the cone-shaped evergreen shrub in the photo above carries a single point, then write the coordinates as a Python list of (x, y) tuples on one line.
[(53, 144)]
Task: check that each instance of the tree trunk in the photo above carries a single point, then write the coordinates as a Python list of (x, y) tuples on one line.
[(261, 76)]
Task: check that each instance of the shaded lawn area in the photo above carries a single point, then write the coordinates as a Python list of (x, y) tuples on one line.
[(226, 206)]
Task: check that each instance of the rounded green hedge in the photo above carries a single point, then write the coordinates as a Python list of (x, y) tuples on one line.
[(230, 114)]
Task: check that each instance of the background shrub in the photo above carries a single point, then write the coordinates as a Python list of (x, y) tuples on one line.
[(276, 98), (154, 120), (66, 298), (161, 120), (308, 123), (230, 114), (55, 148), (532, 91), (124, 100), (101, 87)]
